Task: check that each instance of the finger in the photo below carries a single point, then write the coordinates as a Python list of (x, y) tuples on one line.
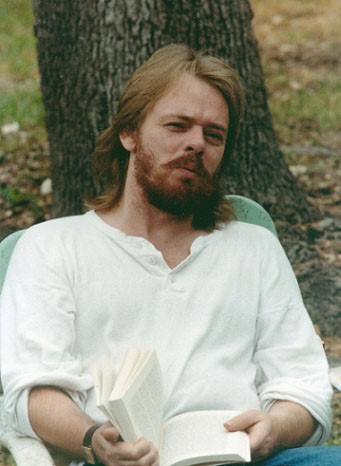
[(111, 434), (143, 447), (149, 459), (133, 452), (259, 436), (103, 443), (243, 421), (157, 460)]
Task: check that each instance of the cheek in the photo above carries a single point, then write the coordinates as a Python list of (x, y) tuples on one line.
[(213, 162), (172, 141), (162, 142), (167, 148)]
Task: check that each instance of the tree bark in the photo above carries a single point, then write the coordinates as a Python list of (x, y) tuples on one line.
[(88, 49)]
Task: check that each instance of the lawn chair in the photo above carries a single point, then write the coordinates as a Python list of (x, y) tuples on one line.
[(32, 452)]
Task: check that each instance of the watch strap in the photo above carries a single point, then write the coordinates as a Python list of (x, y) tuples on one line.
[(88, 452)]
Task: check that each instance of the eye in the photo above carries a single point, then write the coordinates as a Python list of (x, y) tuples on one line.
[(176, 125), (215, 137)]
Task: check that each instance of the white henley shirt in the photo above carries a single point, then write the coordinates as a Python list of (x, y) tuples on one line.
[(228, 322)]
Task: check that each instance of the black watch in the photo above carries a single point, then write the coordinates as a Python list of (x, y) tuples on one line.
[(88, 452)]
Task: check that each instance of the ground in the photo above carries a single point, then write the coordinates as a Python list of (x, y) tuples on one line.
[(300, 50)]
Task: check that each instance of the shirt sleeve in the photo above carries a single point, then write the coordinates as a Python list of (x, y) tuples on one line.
[(38, 338), (289, 354)]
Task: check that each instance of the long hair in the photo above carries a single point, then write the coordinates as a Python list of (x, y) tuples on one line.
[(148, 84)]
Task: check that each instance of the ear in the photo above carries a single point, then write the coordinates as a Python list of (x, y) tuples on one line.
[(128, 140)]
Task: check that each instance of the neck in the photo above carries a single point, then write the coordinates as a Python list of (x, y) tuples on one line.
[(134, 216)]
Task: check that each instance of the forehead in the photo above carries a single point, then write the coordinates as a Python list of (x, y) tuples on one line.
[(192, 97)]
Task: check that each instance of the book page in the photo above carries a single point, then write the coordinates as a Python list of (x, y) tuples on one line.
[(131, 365), (104, 376), (200, 438), (139, 411)]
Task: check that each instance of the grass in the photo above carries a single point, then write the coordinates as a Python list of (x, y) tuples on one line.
[(315, 111), (300, 48), (17, 52), (22, 104), (20, 98)]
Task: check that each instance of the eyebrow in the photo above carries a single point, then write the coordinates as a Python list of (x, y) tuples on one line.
[(190, 119)]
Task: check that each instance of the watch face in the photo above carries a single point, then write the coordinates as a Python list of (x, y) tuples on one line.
[(89, 455)]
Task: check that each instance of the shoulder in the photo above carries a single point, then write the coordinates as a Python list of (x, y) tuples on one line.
[(56, 227), (251, 241), (56, 233), (247, 232), (53, 245)]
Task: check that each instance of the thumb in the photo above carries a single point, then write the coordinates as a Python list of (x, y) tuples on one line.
[(111, 434), (242, 421)]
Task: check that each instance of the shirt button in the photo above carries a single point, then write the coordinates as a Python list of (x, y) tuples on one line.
[(172, 279), (151, 260)]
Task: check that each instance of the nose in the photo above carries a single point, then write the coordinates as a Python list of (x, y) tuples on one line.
[(195, 141)]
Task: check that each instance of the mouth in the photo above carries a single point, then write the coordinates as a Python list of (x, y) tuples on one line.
[(188, 167), (190, 172)]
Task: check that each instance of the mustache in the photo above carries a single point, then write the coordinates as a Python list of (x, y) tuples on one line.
[(190, 162)]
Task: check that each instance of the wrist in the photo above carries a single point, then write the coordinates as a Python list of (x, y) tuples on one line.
[(276, 431), (292, 424), (87, 449)]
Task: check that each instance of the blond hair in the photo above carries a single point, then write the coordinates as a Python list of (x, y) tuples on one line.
[(148, 84)]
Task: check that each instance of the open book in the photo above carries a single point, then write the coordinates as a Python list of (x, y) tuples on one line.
[(132, 400)]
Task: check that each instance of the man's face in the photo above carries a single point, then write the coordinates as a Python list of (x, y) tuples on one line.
[(179, 147)]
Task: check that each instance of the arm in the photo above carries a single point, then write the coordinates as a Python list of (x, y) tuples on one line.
[(289, 356), (57, 420), (292, 371), (286, 425)]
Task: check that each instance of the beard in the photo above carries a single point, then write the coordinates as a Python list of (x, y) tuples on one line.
[(183, 196)]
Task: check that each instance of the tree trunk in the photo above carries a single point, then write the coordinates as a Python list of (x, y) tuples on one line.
[(88, 49)]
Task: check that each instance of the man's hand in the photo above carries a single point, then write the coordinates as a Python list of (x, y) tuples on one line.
[(260, 428), (112, 452), (286, 425), (58, 421)]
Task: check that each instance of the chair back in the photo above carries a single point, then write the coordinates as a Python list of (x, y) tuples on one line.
[(249, 211), (7, 246)]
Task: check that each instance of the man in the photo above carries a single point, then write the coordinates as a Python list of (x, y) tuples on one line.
[(159, 262)]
